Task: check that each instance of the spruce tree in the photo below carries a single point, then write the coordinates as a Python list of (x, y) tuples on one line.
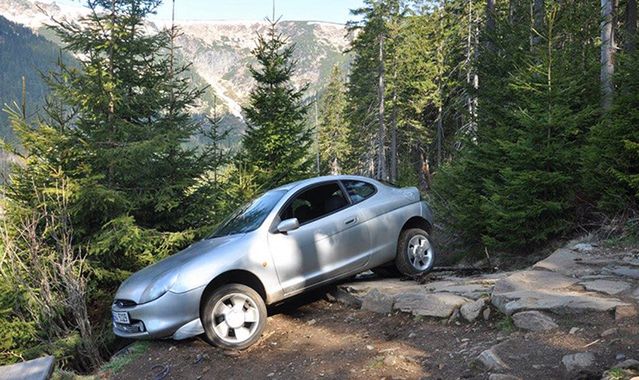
[(333, 126), (130, 101), (277, 141)]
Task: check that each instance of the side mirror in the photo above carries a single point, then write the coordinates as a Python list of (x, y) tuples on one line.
[(288, 225)]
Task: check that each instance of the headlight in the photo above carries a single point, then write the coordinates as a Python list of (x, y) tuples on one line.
[(161, 284)]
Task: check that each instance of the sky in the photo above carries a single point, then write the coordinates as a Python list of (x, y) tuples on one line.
[(252, 10)]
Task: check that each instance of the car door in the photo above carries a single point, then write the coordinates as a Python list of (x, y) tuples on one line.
[(328, 242)]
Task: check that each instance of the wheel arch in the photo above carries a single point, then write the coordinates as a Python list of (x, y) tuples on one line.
[(417, 222), (238, 276)]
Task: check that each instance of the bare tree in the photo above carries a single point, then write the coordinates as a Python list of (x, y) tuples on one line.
[(607, 53), (39, 256)]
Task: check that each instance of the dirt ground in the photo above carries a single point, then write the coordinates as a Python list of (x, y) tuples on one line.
[(311, 338)]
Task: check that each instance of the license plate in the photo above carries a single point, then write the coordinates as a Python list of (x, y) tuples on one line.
[(121, 317)]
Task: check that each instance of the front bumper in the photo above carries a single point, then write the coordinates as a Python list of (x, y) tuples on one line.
[(161, 318)]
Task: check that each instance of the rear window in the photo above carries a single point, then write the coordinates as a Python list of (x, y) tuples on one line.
[(359, 190)]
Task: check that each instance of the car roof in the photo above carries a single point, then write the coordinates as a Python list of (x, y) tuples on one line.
[(310, 181)]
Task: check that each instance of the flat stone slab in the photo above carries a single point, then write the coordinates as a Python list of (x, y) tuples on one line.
[(37, 369), (567, 262), (624, 271), (439, 305), (606, 286), (550, 291)]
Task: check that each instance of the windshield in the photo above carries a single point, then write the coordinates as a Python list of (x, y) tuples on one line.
[(250, 216)]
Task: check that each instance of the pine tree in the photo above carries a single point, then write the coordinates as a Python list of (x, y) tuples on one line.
[(130, 102), (277, 141), (333, 126)]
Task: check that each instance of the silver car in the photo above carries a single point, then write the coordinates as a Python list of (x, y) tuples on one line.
[(289, 240)]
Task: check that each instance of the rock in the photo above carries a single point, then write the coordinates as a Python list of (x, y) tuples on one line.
[(620, 356), (454, 317), (346, 298), (471, 310), (573, 330), (624, 312), (439, 305), (311, 322), (606, 286), (534, 321), (486, 314), (624, 271), (628, 364), (491, 361), (498, 376), (566, 262), (609, 332), (377, 302), (549, 291), (579, 361), (583, 247)]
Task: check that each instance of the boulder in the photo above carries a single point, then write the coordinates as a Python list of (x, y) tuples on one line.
[(471, 310), (606, 286), (578, 361), (491, 361), (440, 305), (534, 321), (377, 302)]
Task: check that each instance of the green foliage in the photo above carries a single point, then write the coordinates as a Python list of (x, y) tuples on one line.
[(276, 140), (514, 186), (333, 126), (612, 160)]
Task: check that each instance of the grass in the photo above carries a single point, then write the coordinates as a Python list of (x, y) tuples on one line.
[(616, 374), (134, 351), (506, 325)]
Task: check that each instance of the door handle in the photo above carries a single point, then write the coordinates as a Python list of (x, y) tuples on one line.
[(350, 221)]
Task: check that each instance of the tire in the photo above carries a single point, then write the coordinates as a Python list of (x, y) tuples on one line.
[(415, 252), (234, 317)]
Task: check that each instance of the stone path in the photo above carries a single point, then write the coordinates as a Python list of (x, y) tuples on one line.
[(581, 278), (576, 280)]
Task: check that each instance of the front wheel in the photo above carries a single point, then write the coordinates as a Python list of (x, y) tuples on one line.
[(234, 317), (415, 252)]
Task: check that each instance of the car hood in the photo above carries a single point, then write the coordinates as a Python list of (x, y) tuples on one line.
[(133, 288)]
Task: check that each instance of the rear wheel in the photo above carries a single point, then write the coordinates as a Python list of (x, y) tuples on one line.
[(415, 252), (234, 317)]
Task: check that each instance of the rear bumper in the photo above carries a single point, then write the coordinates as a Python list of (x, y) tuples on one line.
[(163, 317)]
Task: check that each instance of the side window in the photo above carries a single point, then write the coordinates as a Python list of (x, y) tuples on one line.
[(359, 190), (315, 203)]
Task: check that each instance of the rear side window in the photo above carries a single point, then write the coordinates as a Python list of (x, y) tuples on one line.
[(315, 203), (359, 190)]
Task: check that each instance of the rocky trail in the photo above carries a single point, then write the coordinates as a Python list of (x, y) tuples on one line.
[(570, 316)]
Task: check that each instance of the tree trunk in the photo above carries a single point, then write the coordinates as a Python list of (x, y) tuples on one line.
[(440, 134), (490, 16), (631, 26), (472, 79), (381, 134), (421, 168), (538, 22), (393, 142), (607, 53)]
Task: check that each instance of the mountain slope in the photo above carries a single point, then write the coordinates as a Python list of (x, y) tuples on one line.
[(23, 54), (221, 50)]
